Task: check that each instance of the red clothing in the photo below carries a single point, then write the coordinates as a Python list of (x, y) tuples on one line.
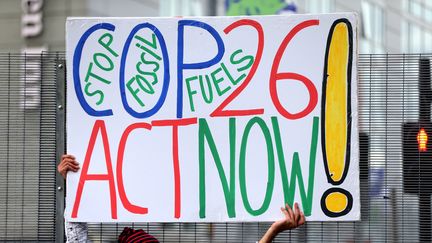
[(136, 236)]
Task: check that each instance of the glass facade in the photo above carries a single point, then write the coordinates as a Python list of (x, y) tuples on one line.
[(372, 28), (417, 26)]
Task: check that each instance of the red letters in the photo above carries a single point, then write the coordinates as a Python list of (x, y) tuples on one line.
[(126, 203), (176, 163), (219, 111), (99, 125), (275, 76)]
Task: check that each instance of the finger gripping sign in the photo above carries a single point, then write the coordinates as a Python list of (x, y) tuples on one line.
[(213, 119)]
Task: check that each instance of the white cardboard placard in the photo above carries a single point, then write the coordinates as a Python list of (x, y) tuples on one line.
[(212, 119)]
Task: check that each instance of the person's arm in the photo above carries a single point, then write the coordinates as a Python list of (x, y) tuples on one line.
[(74, 231), (292, 220), (67, 163)]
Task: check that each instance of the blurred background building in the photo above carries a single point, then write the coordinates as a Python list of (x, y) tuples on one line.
[(387, 26)]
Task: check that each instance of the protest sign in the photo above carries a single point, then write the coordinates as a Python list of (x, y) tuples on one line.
[(212, 119)]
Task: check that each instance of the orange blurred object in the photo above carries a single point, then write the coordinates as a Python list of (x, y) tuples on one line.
[(422, 140)]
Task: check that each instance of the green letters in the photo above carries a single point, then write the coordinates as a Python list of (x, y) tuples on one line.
[(204, 134), (247, 58), (296, 173), (228, 185), (270, 161)]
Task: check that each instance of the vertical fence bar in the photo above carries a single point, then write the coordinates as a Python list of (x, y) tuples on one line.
[(7, 144), (60, 146)]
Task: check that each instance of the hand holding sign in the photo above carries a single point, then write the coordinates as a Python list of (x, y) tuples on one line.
[(67, 163), (293, 219)]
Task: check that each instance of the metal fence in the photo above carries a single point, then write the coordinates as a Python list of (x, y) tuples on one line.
[(32, 138), (28, 147)]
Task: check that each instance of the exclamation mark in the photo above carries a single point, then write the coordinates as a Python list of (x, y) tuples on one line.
[(336, 117)]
